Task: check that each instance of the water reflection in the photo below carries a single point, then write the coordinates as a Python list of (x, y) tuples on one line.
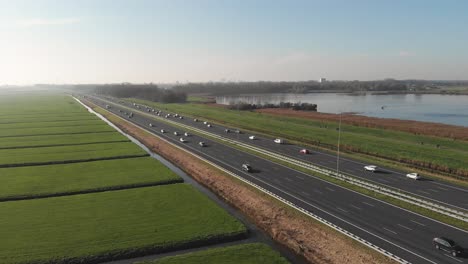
[(448, 109)]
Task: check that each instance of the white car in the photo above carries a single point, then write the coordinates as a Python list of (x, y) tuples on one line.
[(209, 125), (195, 120), (202, 144), (187, 134), (181, 117), (252, 137), (182, 140), (163, 131), (176, 133), (413, 175), (205, 123), (371, 168), (279, 141), (150, 124)]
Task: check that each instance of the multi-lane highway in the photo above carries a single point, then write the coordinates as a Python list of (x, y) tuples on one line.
[(398, 231), (441, 192)]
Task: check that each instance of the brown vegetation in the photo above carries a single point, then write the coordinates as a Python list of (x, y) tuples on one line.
[(416, 127), (317, 243)]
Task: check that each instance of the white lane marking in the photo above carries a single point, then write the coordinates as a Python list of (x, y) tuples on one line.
[(417, 223), (299, 177), (306, 194), (288, 179), (359, 208), (369, 204), (383, 180), (432, 190), (341, 209), (391, 231), (330, 189), (423, 192), (445, 189), (317, 191), (453, 187), (453, 258), (405, 227)]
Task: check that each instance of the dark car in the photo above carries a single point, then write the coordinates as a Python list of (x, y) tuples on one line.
[(448, 245)]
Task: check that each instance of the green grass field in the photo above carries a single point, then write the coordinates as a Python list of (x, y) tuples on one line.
[(103, 127), (255, 253), (38, 103), (45, 155), (109, 224), (58, 140), (29, 125), (375, 142), (36, 181)]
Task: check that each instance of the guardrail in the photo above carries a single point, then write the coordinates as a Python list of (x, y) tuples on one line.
[(281, 199), (394, 193)]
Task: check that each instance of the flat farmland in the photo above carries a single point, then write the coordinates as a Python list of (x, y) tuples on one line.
[(42, 181), (39, 103), (35, 124), (55, 130), (60, 140), (240, 254), (67, 154), (109, 225)]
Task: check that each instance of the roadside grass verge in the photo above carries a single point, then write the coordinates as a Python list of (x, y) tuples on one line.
[(51, 119), (65, 179), (68, 154), (254, 253), (398, 146), (92, 228), (61, 140), (55, 130)]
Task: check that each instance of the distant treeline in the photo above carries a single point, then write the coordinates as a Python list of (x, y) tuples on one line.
[(142, 91), (224, 88), (294, 106)]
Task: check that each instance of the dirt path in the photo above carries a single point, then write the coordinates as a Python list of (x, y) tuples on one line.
[(416, 127), (317, 243)]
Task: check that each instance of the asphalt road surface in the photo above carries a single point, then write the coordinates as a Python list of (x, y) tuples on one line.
[(401, 232)]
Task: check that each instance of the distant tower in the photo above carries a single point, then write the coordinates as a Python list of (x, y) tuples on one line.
[(322, 80)]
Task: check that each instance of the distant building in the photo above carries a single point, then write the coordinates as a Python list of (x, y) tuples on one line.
[(322, 80)]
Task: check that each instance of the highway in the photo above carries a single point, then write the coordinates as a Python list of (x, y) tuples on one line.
[(401, 232), (441, 192)]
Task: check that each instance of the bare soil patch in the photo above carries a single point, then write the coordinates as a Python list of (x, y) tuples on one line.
[(317, 243), (415, 127)]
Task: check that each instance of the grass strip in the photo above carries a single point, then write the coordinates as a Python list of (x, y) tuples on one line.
[(61, 140), (68, 154), (55, 130), (99, 227), (254, 253), (54, 180)]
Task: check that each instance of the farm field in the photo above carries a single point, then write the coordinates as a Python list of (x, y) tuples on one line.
[(103, 226), (255, 253), (67, 154), (74, 190), (29, 125), (61, 140), (400, 146), (37, 181), (55, 130)]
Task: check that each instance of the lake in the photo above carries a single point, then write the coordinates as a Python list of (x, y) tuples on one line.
[(447, 109)]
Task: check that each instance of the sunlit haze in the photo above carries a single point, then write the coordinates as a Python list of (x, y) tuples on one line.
[(168, 41)]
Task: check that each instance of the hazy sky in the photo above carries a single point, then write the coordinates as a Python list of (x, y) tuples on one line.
[(99, 41)]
